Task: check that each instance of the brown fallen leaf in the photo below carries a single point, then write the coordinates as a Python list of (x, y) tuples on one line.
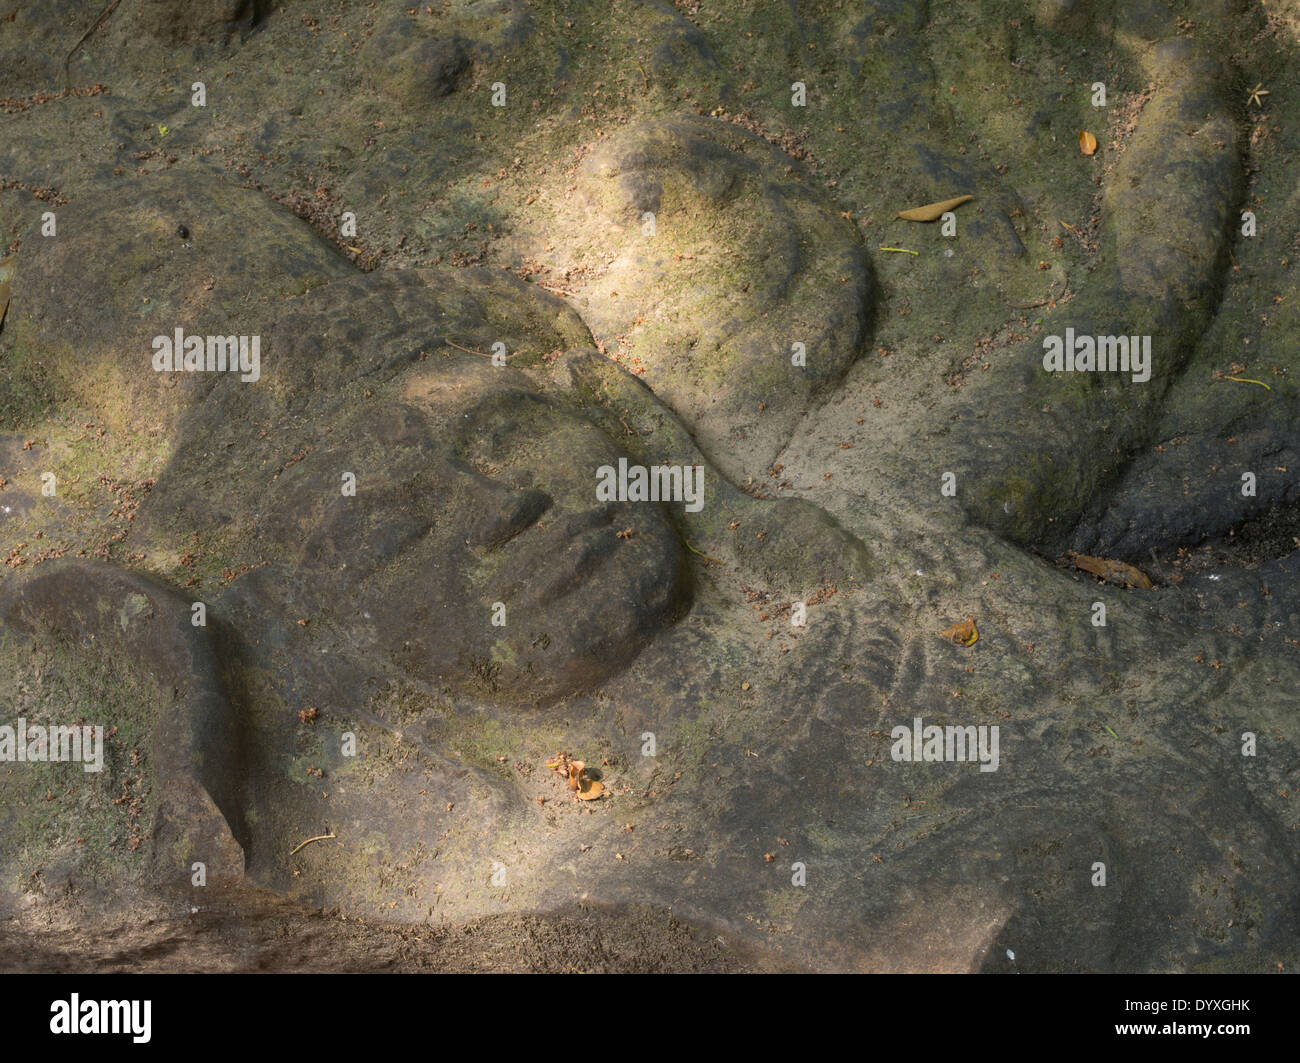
[(964, 633), (590, 789), (575, 775), (932, 211), (1087, 142), (1117, 572)]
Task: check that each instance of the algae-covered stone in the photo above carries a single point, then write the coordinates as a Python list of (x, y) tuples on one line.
[(414, 595)]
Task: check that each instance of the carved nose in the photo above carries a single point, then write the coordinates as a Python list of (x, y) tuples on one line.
[(507, 514)]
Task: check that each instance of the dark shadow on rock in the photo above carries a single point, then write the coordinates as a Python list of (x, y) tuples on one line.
[(1035, 449), (183, 22)]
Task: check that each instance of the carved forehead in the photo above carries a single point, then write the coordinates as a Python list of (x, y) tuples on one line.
[(426, 336), (457, 386)]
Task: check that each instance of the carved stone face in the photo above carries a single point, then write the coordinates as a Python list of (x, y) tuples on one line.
[(351, 684), (473, 552)]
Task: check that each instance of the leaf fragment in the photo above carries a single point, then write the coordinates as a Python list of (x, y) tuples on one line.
[(1087, 142), (590, 790), (964, 633), (933, 211)]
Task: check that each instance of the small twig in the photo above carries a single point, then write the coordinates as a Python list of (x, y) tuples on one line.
[(644, 79), (701, 553), (99, 24), (556, 291), (318, 838), (901, 250), (466, 349), (1247, 380)]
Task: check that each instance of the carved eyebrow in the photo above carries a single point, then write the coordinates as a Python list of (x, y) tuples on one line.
[(513, 408)]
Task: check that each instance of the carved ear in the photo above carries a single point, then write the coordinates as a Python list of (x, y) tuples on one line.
[(134, 623)]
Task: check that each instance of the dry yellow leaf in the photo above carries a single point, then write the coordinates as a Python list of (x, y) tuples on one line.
[(1087, 143), (964, 633), (933, 211)]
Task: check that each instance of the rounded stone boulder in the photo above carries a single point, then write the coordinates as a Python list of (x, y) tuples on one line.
[(741, 300)]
